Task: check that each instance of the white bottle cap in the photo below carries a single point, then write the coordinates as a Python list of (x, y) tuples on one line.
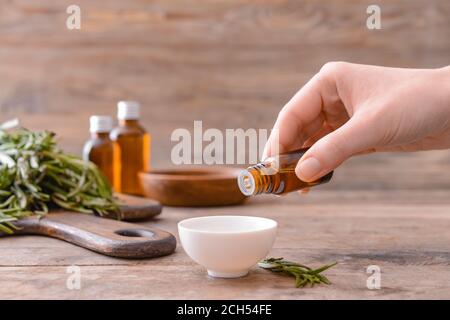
[(101, 124), (246, 183), (128, 110)]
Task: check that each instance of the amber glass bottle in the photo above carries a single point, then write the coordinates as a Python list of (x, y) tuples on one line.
[(102, 151), (276, 175), (134, 144)]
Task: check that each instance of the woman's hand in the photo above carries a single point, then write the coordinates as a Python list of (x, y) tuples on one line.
[(348, 109)]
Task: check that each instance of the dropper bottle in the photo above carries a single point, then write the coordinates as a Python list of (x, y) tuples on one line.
[(102, 151), (134, 143), (276, 175)]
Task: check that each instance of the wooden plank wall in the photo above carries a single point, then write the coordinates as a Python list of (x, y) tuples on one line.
[(230, 63)]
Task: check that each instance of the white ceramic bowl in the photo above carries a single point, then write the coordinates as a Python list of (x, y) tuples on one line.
[(228, 246)]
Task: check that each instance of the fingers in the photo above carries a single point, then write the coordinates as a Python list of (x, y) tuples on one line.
[(354, 137), (319, 134), (299, 118)]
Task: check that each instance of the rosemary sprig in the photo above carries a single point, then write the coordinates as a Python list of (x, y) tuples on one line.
[(35, 176), (303, 275)]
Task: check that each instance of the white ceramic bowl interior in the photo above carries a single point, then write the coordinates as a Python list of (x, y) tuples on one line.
[(228, 246)]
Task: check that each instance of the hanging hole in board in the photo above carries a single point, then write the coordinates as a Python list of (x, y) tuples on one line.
[(135, 233)]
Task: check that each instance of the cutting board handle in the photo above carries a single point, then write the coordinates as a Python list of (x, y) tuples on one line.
[(105, 236)]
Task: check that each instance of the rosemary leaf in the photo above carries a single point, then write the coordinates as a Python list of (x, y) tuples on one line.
[(303, 275), (36, 175)]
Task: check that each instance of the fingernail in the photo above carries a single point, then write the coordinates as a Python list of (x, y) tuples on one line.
[(308, 169)]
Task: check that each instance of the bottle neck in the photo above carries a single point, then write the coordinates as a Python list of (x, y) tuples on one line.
[(128, 122), (100, 135)]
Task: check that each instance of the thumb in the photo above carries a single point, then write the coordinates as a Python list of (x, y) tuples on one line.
[(331, 150)]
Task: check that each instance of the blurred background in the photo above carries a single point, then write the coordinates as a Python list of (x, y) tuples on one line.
[(230, 63)]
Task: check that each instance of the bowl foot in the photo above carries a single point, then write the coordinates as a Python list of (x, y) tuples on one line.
[(228, 275)]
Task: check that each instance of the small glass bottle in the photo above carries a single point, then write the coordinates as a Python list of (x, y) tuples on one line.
[(102, 151), (134, 143), (276, 175)]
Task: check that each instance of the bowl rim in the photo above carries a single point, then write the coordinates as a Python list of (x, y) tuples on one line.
[(194, 174), (273, 225)]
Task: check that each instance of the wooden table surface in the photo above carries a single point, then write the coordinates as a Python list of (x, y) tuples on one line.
[(405, 233), (232, 64)]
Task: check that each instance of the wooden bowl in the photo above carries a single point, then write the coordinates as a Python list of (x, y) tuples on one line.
[(193, 187)]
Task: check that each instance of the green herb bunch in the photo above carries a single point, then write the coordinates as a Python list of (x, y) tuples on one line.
[(303, 275), (35, 175)]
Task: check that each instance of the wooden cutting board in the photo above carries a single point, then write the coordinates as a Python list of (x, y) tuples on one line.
[(106, 236), (136, 208)]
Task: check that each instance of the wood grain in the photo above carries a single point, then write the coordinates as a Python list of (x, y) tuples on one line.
[(134, 208), (109, 237), (406, 234), (232, 64)]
